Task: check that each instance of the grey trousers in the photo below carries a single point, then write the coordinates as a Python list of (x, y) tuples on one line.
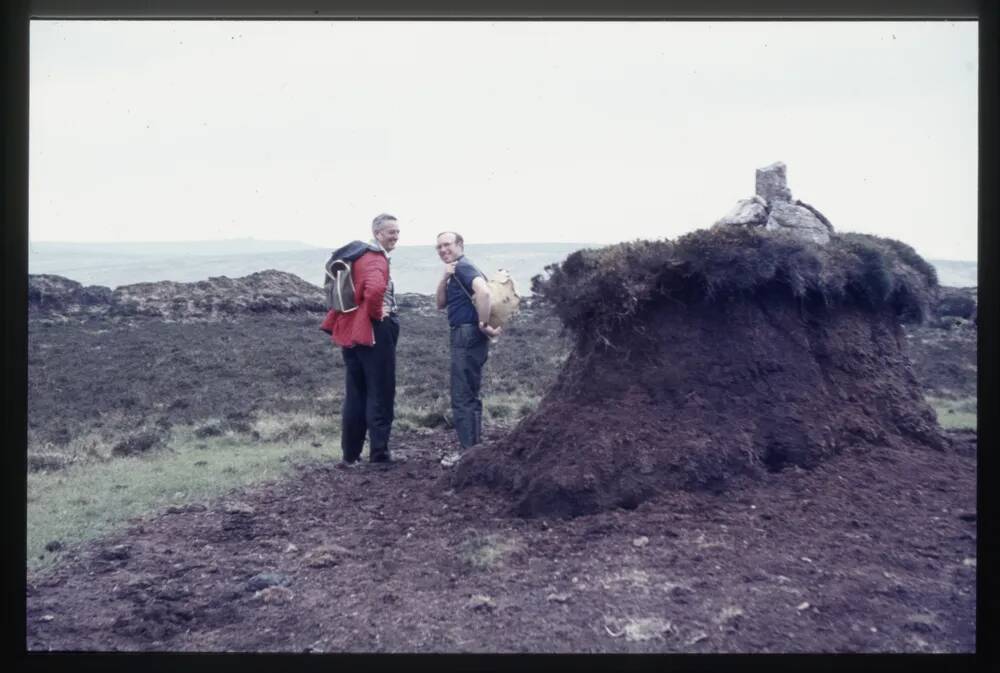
[(469, 350)]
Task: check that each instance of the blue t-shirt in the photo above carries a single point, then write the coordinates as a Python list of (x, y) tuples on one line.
[(461, 310)]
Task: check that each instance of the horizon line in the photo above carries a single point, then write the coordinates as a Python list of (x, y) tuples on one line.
[(298, 242)]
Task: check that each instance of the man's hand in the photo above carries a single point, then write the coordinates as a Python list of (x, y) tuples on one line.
[(491, 332), (449, 269)]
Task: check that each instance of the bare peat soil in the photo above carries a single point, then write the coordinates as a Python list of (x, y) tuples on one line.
[(871, 551), (114, 377)]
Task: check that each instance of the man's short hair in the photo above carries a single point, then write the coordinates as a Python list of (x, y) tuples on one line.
[(382, 221), (458, 237)]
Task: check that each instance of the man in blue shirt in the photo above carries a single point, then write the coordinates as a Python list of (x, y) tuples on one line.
[(464, 293)]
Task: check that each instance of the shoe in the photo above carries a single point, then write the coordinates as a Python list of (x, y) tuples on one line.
[(385, 464), (451, 459), (348, 465), (387, 459)]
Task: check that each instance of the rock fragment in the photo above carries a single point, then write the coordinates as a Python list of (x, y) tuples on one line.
[(637, 629), (118, 552), (265, 580), (275, 594), (481, 603), (239, 508), (747, 212), (325, 556)]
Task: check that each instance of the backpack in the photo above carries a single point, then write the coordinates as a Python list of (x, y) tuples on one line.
[(338, 284), (504, 299)]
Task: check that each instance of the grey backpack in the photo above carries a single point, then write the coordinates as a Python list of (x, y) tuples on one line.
[(338, 283)]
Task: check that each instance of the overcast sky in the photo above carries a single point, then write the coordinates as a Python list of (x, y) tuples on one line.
[(506, 131)]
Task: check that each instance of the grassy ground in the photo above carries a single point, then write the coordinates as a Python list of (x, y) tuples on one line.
[(88, 499), (955, 414)]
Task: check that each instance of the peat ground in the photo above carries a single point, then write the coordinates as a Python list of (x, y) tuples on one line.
[(872, 551)]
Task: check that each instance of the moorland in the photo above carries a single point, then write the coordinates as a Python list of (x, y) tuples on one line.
[(182, 496)]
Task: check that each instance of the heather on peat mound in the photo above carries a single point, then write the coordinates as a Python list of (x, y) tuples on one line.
[(714, 357)]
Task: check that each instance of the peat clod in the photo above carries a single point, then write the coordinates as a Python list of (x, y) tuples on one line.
[(726, 353), (55, 294), (953, 302), (54, 298)]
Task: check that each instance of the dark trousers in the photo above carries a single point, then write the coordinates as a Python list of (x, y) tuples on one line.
[(469, 350), (371, 393)]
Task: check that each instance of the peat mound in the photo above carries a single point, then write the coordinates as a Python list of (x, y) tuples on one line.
[(720, 355), (956, 306)]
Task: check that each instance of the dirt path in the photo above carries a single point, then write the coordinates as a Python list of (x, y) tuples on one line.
[(870, 552)]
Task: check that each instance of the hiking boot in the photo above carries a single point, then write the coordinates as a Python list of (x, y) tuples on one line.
[(387, 459), (451, 459), (348, 464)]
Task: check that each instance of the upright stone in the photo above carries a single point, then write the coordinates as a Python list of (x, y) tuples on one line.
[(772, 184)]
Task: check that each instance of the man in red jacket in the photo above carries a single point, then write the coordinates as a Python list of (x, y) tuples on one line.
[(367, 337)]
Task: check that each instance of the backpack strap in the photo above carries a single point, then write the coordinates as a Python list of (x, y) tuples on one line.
[(459, 280), (353, 250)]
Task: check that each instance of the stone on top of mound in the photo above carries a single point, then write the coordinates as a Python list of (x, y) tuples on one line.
[(772, 208), (723, 354)]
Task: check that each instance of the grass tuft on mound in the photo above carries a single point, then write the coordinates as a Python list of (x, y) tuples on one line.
[(596, 290)]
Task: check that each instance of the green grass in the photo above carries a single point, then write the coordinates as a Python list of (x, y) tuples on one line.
[(499, 409), (955, 414), (85, 492), (508, 409), (87, 500), (435, 414)]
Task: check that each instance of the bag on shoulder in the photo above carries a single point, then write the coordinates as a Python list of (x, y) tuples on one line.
[(504, 301), (338, 282)]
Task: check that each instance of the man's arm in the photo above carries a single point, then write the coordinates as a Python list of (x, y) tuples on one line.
[(481, 298), (442, 288), (372, 284)]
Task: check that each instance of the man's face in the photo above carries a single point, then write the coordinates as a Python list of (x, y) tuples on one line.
[(388, 235), (448, 249)]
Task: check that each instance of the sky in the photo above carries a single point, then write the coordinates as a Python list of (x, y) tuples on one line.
[(548, 131)]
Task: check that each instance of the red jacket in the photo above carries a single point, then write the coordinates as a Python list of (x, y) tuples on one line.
[(370, 273)]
